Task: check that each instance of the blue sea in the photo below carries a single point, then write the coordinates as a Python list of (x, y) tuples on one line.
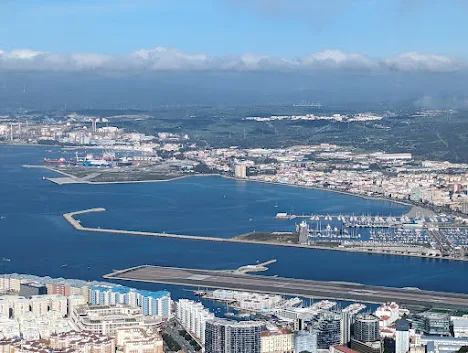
[(37, 239)]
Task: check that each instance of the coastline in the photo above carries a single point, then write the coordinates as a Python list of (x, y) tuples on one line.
[(77, 180), (84, 181), (75, 223), (365, 197)]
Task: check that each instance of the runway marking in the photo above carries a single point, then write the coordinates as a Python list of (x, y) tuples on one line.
[(198, 277), (288, 286)]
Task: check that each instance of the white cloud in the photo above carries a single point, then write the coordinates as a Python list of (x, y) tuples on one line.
[(338, 60), (162, 58), (170, 59), (413, 61), (22, 54)]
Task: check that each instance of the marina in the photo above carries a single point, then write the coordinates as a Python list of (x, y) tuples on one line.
[(367, 221), (366, 246), (36, 219)]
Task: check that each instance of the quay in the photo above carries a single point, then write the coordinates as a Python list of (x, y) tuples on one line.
[(63, 180), (410, 251), (289, 286), (367, 221)]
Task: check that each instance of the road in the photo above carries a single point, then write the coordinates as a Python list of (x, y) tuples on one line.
[(174, 333), (290, 286), (443, 244)]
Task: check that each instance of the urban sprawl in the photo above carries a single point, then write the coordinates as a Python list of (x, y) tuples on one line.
[(43, 314), (438, 189)]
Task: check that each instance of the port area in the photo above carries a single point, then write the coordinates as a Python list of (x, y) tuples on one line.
[(288, 286), (62, 180), (275, 239), (107, 175)]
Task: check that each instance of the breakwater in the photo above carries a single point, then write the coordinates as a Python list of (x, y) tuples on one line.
[(404, 251)]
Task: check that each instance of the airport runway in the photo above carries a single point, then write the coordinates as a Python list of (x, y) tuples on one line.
[(289, 286)]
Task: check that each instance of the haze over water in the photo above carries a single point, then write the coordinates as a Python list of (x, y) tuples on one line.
[(37, 239)]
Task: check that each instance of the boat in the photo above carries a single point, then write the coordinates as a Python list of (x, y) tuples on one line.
[(95, 163), (125, 163), (55, 161)]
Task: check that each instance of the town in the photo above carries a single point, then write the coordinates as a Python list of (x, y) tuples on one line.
[(438, 185), (38, 314)]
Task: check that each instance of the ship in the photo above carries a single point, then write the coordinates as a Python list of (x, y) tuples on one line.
[(55, 161), (98, 161), (95, 163), (124, 162)]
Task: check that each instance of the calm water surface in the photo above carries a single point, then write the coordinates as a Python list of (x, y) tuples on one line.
[(38, 240)]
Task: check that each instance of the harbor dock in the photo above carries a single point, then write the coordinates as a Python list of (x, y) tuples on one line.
[(401, 251), (289, 286)]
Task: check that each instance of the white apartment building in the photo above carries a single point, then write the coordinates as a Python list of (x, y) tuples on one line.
[(33, 328), (105, 320), (74, 301), (460, 327), (4, 308), (280, 341), (9, 284), (82, 342), (137, 340), (19, 305), (193, 317), (39, 305), (387, 313), (240, 171)]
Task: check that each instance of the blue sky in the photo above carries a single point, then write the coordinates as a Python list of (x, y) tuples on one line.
[(278, 28), (359, 48)]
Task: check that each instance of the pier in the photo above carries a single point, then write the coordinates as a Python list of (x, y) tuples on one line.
[(289, 286), (70, 217), (403, 251), (367, 221), (63, 180)]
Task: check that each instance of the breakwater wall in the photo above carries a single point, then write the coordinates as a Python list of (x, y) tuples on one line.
[(70, 217)]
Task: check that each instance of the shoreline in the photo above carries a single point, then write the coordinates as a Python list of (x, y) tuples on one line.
[(364, 197), (82, 180), (76, 223)]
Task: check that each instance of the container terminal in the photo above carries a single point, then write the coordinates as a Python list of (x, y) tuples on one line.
[(289, 286)]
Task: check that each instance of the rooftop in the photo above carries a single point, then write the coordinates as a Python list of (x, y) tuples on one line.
[(344, 349)]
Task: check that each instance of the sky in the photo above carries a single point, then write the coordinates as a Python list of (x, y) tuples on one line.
[(407, 42), (279, 29)]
